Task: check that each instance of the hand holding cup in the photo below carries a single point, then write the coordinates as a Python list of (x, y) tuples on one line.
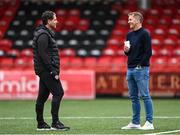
[(127, 46)]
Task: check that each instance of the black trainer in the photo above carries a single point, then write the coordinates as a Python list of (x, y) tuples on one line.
[(59, 126), (43, 126)]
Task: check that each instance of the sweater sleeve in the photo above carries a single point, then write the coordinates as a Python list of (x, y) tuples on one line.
[(43, 51), (147, 48)]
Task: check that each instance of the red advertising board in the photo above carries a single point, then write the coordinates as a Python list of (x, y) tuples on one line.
[(24, 84), (161, 84), (78, 84)]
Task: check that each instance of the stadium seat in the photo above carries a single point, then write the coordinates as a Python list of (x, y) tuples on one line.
[(95, 52), (104, 63), (67, 52), (169, 41), (5, 44), (13, 53), (27, 53), (76, 63), (155, 50), (83, 25), (120, 51), (174, 64), (113, 42), (2, 54), (61, 12), (166, 51), (82, 52), (119, 63), (156, 41), (176, 51), (152, 20), (65, 63), (20, 63), (90, 30), (108, 52), (90, 63), (6, 63), (159, 64)]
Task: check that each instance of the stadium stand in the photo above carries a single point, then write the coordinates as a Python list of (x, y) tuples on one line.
[(90, 34)]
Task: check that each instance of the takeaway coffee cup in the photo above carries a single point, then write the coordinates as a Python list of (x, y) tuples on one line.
[(127, 44)]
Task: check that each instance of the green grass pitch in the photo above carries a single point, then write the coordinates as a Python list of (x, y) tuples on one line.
[(100, 116)]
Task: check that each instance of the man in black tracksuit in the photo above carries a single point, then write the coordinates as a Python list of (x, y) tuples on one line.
[(46, 65)]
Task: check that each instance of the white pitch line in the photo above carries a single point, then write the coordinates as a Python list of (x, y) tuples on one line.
[(93, 117), (66, 134), (166, 132)]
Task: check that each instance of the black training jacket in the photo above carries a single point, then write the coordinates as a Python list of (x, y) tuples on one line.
[(45, 51)]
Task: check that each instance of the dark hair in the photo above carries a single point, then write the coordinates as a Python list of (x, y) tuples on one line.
[(46, 16)]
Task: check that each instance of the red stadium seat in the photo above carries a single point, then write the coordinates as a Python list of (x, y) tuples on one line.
[(119, 63), (83, 25), (159, 64), (173, 31), (21, 63), (120, 51), (65, 63), (6, 63), (76, 63), (150, 28), (167, 12), (90, 63), (160, 31), (69, 25), (176, 51), (104, 63), (122, 22), (152, 20), (157, 41), (178, 42), (152, 12), (166, 51), (155, 50), (169, 41), (117, 33), (108, 52), (27, 53), (61, 13), (67, 52), (74, 12), (174, 64), (13, 53), (5, 44), (164, 22), (38, 22), (114, 42)]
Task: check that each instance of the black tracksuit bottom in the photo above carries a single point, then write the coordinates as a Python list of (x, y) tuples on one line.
[(47, 85)]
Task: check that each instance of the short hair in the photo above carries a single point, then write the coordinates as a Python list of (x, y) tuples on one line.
[(47, 15), (137, 15)]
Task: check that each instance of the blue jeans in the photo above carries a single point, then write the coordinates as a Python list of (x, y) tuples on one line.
[(138, 84)]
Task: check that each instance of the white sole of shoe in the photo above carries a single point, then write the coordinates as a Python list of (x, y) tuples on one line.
[(147, 129), (59, 129), (42, 129), (129, 128)]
